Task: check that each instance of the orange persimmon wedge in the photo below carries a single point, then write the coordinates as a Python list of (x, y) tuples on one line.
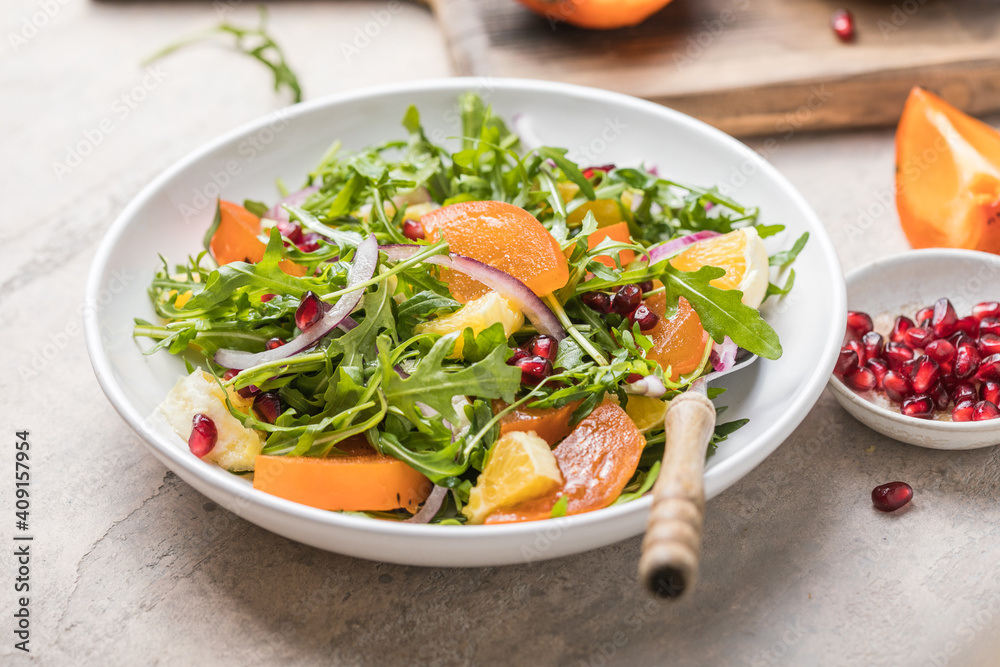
[(505, 237), (596, 461), (679, 342), (596, 14), (549, 424), (236, 239), (364, 480), (616, 232), (947, 176)]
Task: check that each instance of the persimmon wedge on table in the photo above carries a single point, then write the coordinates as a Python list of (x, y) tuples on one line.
[(596, 14), (947, 176), (468, 359)]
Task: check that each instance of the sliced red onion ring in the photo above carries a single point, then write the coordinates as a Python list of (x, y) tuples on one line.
[(294, 199), (723, 355), (502, 283), (671, 248), (362, 269), (431, 506), (650, 385)]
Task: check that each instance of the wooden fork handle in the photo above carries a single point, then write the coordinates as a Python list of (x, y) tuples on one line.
[(671, 549)]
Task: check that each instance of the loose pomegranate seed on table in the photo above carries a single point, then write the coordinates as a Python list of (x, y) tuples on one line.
[(859, 323), (985, 411), (309, 311), (921, 407), (842, 23), (543, 346), (413, 230), (847, 361), (990, 391), (944, 318), (267, 406), (963, 412), (644, 317), (626, 299), (203, 436), (899, 329), (534, 369), (986, 309), (873, 344), (879, 368), (598, 301), (890, 497)]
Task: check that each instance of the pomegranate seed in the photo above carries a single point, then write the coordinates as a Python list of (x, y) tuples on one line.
[(963, 412), (950, 382), (413, 230), (646, 318), (943, 353), (291, 231), (645, 286), (858, 323), (940, 396), (543, 346), (890, 497), (984, 411), (847, 361), (944, 318), (203, 436), (534, 369), (598, 301), (967, 360), (843, 25), (859, 349), (861, 379), (267, 297), (960, 337), (918, 337), (926, 375), (518, 355), (309, 311), (230, 374), (873, 344), (990, 391), (896, 386), (965, 391), (925, 314), (897, 353), (989, 325), (986, 309), (626, 300), (921, 407), (969, 326), (273, 343), (633, 377), (909, 369), (267, 406), (989, 344), (989, 369), (899, 329), (309, 243), (589, 171), (879, 367)]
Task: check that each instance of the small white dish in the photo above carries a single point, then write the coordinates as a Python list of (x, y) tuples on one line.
[(171, 214), (901, 285)]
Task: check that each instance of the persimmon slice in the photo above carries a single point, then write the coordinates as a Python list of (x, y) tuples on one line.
[(679, 342), (549, 424), (236, 240)]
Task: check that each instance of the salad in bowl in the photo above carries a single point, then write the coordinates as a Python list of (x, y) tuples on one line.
[(482, 335)]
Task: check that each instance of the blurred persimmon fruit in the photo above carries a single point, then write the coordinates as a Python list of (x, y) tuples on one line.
[(596, 14), (947, 176)]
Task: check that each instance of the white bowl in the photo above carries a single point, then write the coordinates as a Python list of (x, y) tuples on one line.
[(171, 214), (901, 285)]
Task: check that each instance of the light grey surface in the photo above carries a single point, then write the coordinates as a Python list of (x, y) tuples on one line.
[(133, 567)]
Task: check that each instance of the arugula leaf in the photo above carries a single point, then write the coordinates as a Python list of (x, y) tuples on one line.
[(214, 227), (259, 209), (568, 167), (722, 312), (773, 290), (786, 257), (559, 509), (476, 347), (359, 344)]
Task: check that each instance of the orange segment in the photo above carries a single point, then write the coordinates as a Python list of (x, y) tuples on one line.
[(679, 342), (505, 237), (606, 212), (236, 239), (550, 424), (361, 481), (947, 176), (743, 256), (596, 461)]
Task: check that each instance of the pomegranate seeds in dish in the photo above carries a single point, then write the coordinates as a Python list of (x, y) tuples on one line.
[(938, 366)]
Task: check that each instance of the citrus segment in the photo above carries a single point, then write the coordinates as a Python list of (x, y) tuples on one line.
[(596, 461), (521, 467), (741, 253), (478, 314), (505, 237), (947, 176), (646, 412), (678, 342)]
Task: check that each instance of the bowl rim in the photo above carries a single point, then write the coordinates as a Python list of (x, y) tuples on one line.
[(725, 473), (887, 264)]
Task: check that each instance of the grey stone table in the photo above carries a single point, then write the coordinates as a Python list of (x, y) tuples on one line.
[(130, 566)]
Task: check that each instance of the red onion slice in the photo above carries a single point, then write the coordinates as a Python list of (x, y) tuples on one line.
[(499, 281), (671, 248), (294, 199), (650, 385), (723, 355), (362, 269), (431, 506)]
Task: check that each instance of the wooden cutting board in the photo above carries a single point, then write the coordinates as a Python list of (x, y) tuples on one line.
[(750, 67)]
